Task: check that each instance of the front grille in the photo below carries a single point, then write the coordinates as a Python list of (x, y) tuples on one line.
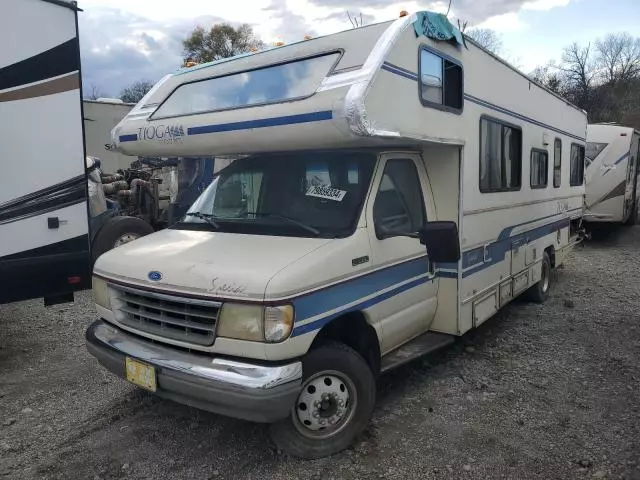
[(173, 318)]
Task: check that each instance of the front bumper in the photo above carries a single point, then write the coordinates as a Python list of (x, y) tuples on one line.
[(259, 393)]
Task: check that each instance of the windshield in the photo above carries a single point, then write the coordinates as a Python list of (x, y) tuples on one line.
[(305, 195)]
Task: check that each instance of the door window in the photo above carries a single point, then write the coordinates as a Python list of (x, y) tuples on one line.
[(399, 206)]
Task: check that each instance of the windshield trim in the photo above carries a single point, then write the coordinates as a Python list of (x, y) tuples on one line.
[(339, 51)]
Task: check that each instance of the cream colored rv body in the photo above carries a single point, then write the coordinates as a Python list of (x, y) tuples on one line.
[(432, 132)]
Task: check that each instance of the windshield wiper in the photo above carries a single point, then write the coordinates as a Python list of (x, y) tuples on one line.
[(206, 217), (308, 228)]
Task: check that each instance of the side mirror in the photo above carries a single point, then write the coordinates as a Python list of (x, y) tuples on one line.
[(442, 241)]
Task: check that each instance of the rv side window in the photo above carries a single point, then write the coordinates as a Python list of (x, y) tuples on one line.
[(539, 168), (500, 157), (557, 163), (577, 165), (399, 206), (440, 81)]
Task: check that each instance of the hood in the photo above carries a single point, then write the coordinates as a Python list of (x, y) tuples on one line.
[(221, 265)]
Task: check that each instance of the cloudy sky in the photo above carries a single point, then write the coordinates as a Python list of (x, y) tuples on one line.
[(127, 40)]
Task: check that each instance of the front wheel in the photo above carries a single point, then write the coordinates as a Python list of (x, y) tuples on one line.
[(334, 406), (539, 293), (117, 231)]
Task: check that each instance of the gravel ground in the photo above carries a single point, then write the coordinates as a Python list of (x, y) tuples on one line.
[(544, 392)]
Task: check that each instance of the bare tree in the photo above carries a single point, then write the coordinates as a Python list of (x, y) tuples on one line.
[(355, 21), (618, 57), (550, 77), (220, 41), (486, 38), (135, 92), (95, 92), (578, 68)]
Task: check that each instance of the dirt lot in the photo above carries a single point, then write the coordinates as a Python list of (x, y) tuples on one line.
[(543, 392)]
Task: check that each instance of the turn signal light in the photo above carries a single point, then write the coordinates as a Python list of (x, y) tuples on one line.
[(403, 13)]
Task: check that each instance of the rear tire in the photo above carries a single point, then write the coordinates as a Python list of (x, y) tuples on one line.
[(118, 231), (539, 293), (633, 218), (334, 406)]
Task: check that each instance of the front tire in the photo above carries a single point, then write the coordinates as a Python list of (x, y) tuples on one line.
[(118, 231), (539, 293), (334, 406)]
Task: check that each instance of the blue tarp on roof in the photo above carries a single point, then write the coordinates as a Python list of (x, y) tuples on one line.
[(437, 27)]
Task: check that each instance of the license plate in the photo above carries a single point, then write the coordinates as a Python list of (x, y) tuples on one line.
[(140, 374)]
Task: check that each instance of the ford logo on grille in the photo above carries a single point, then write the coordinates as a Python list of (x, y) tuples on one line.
[(155, 276)]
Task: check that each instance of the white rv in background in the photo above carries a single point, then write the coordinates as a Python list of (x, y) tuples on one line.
[(393, 192), (612, 194), (100, 116)]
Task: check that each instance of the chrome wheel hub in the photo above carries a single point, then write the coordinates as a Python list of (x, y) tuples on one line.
[(325, 405), (126, 238)]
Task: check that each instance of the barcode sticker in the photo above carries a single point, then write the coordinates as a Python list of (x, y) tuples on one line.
[(327, 193)]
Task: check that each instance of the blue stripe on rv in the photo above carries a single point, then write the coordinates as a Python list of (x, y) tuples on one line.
[(389, 67), (620, 160), (129, 138), (405, 276), (262, 123)]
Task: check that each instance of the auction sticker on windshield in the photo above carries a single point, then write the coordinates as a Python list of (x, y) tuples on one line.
[(140, 374), (327, 193)]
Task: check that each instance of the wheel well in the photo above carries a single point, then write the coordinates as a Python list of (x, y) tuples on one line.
[(353, 330), (551, 251)]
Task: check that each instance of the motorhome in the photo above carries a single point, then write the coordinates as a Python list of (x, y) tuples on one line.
[(612, 194), (396, 186)]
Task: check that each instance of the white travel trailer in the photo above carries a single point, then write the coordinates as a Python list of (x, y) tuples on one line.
[(301, 273), (611, 174), (47, 227), (44, 228), (100, 116)]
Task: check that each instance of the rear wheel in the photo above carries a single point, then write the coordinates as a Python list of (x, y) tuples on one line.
[(633, 217), (539, 293), (117, 231), (334, 406)]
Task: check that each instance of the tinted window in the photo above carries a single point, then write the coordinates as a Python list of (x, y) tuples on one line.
[(576, 175), (539, 168), (557, 163), (399, 205), (500, 156), (440, 81), (266, 85), (593, 150)]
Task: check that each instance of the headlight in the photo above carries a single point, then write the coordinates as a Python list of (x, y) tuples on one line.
[(278, 322), (243, 322), (101, 293), (255, 323)]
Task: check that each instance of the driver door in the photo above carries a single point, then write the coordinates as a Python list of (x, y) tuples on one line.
[(401, 203)]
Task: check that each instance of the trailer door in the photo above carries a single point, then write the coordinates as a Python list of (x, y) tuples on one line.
[(44, 242)]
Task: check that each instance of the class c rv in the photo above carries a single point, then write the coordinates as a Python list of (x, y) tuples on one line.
[(395, 186), (612, 194), (54, 218)]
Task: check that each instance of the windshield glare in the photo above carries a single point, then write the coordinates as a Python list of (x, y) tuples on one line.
[(306, 195)]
